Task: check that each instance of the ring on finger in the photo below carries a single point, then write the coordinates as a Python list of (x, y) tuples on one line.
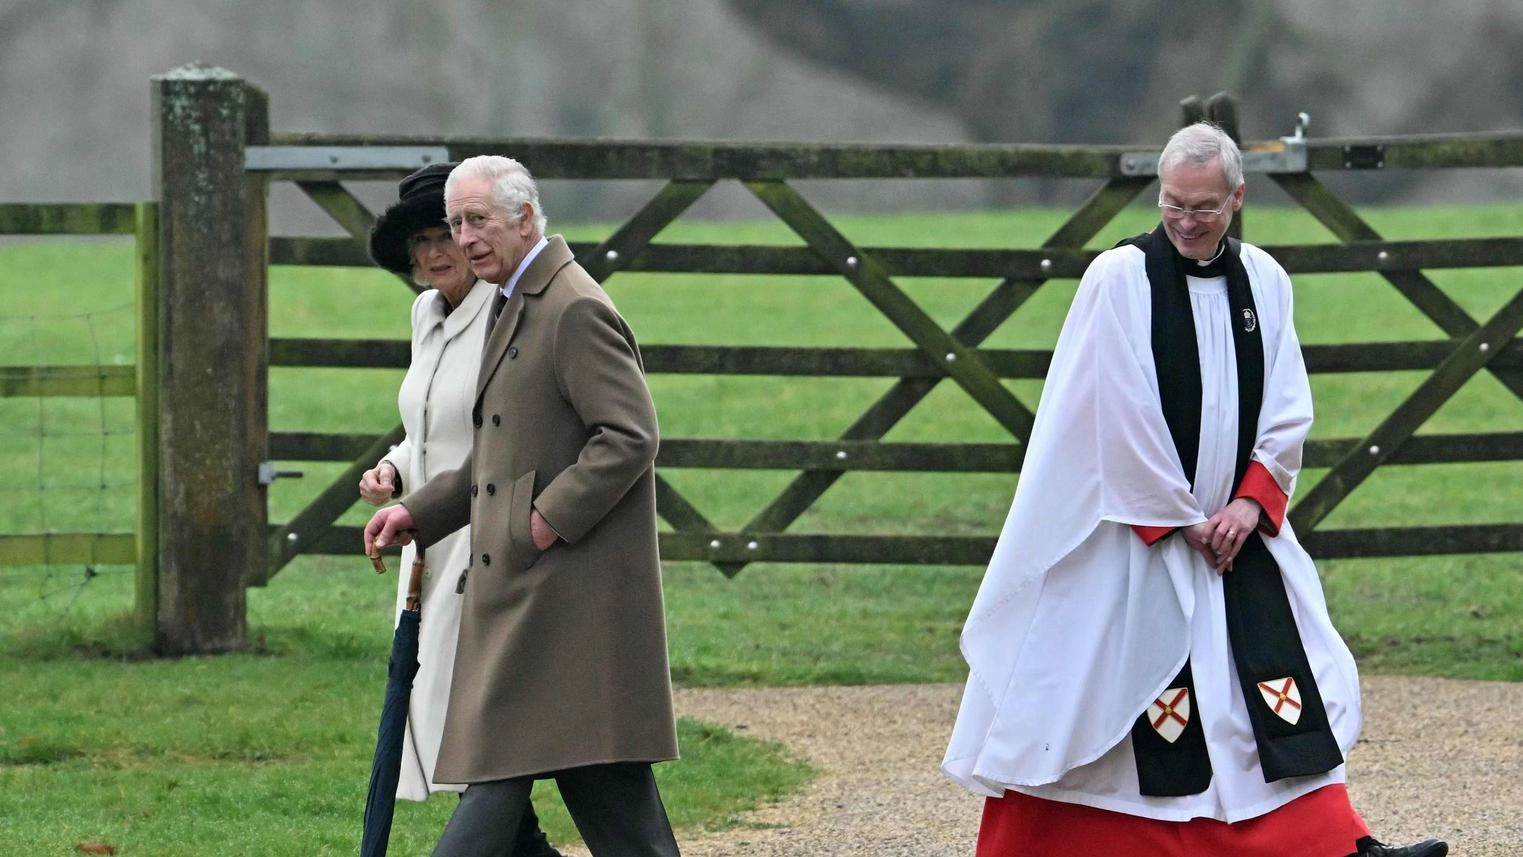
[(1232, 534)]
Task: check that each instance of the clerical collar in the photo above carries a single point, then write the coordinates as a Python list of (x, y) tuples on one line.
[(1212, 267)]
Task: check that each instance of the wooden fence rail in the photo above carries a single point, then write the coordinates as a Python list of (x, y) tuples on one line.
[(322, 157)]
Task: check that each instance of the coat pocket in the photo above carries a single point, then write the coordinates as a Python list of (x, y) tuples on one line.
[(520, 538)]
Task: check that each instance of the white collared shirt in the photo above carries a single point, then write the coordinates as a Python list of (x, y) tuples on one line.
[(507, 290)]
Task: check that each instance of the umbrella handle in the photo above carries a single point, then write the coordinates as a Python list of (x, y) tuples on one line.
[(415, 581)]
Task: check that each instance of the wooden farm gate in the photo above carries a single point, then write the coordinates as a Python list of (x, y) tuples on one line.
[(319, 165)]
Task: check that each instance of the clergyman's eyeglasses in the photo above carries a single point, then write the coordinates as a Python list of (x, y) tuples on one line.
[(1200, 215)]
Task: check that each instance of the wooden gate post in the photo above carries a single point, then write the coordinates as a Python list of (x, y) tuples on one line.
[(1221, 110), (146, 602), (213, 360)]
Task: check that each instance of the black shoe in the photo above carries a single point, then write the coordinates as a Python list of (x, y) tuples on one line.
[(532, 843), (1369, 846), (535, 846)]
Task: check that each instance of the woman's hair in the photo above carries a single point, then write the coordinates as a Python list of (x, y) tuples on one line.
[(1200, 144), (512, 185)]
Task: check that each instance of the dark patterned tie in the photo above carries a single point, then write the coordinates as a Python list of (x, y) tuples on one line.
[(497, 304)]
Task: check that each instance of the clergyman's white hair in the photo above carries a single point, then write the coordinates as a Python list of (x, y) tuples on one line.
[(512, 185), (1200, 144)]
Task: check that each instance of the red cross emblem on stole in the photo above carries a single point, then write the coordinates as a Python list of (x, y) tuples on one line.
[(1170, 713), (1283, 698)]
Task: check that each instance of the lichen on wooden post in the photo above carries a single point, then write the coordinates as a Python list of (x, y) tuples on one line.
[(212, 362)]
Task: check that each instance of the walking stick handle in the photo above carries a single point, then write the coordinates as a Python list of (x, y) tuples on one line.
[(415, 582)]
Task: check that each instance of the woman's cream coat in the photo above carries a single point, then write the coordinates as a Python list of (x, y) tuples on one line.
[(435, 401)]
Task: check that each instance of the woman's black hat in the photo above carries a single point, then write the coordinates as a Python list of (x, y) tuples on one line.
[(420, 204)]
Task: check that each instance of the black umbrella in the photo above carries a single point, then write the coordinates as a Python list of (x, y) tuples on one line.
[(400, 672)]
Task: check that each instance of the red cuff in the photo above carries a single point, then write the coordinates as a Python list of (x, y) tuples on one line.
[(1151, 535), (1259, 485)]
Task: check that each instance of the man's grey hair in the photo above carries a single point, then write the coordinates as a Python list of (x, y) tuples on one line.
[(1200, 144), (512, 185)]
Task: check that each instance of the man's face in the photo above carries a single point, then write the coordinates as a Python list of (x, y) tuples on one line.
[(1197, 188), (493, 245)]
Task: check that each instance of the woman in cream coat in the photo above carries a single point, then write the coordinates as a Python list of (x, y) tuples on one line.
[(449, 323)]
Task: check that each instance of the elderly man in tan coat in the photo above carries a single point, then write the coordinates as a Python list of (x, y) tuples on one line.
[(561, 667)]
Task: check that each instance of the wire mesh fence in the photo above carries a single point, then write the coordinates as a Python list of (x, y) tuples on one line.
[(67, 447)]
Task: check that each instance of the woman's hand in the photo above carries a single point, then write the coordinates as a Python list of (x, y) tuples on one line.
[(378, 483)]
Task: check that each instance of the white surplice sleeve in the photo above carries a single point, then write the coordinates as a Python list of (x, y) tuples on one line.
[(1077, 624), (1285, 417)]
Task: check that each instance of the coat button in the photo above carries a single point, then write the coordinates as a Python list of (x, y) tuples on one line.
[(486, 559), (496, 419), (512, 351), (491, 489), (473, 490)]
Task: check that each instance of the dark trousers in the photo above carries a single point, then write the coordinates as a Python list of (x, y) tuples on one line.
[(617, 810), (530, 840)]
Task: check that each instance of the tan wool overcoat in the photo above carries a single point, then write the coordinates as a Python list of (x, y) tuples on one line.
[(561, 660)]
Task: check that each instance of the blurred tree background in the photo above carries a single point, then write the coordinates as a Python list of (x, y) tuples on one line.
[(76, 105)]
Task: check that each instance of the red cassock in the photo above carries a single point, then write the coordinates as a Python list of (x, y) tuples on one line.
[(1318, 824)]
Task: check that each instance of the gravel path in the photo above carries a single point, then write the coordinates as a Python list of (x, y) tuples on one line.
[(1438, 758)]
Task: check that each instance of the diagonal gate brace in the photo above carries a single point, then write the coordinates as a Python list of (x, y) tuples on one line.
[(629, 240), (306, 526), (606, 259), (346, 209), (1470, 356), (1347, 225), (978, 325), (957, 360)]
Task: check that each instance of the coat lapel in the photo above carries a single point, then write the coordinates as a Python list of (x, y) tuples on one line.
[(477, 301), (542, 270)]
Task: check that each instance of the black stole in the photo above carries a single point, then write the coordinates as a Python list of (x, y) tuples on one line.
[(1261, 628)]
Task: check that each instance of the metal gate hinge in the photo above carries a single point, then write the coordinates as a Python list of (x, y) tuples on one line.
[(1366, 157), (268, 473), (1285, 155)]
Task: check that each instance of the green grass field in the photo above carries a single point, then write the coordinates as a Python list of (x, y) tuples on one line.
[(265, 752)]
